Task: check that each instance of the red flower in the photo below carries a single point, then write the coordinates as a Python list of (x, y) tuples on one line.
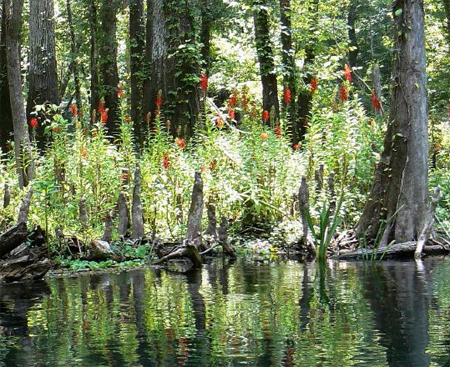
[(314, 85), (101, 106), (159, 100), (120, 92), (232, 101), (165, 161), (287, 96), (74, 109), (265, 115), (375, 102), (296, 146), (104, 116), (278, 130), (343, 95), (347, 73), (56, 129), (34, 123), (231, 114), (204, 82), (83, 152), (244, 102), (180, 142)]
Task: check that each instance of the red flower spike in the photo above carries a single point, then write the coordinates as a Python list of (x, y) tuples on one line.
[(347, 73), (231, 114), (265, 116), (375, 102), (204, 82), (120, 92), (74, 109), (278, 131), (104, 116), (314, 85), (287, 96), (34, 123), (101, 106), (159, 100), (343, 95), (165, 161), (180, 142), (244, 102), (233, 100)]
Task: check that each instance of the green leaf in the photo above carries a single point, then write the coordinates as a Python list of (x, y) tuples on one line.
[(398, 12)]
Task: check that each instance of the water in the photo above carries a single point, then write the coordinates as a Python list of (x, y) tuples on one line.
[(245, 313)]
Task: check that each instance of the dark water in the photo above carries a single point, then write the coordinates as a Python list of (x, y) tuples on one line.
[(232, 314)]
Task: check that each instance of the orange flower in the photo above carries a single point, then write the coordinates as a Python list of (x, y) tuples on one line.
[(244, 102), (83, 152), (127, 118), (347, 73), (314, 85), (180, 142), (219, 122), (213, 165), (55, 129), (124, 176), (296, 147), (34, 123), (159, 100), (233, 100), (264, 136), (101, 106)]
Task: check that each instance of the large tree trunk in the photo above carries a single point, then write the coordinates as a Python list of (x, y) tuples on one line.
[(95, 89), (447, 15), (108, 62), (265, 58), (400, 190), (172, 31), (289, 69), (74, 50), (22, 147), (137, 46), (205, 36), (43, 85), (6, 122), (351, 20)]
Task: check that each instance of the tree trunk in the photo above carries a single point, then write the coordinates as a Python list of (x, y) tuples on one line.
[(108, 62), (172, 31), (400, 190), (74, 51), (351, 18), (22, 147), (290, 107), (95, 88), (137, 46), (43, 85), (447, 15), (205, 36), (265, 58), (6, 122)]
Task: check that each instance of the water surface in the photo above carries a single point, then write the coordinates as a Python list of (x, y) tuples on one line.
[(247, 313)]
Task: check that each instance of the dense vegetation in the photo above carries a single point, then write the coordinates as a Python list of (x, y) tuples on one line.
[(252, 94)]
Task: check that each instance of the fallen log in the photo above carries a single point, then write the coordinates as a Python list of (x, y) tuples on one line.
[(24, 268), (397, 250), (13, 238)]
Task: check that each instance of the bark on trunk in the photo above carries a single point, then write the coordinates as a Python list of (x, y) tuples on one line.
[(108, 62), (194, 231), (266, 61), (400, 190), (6, 122), (74, 63), (22, 147), (95, 92), (43, 85), (290, 107), (351, 20), (137, 46), (138, 230), (172, 31)]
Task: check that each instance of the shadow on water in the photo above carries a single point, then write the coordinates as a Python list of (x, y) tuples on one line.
[(234, 313)]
